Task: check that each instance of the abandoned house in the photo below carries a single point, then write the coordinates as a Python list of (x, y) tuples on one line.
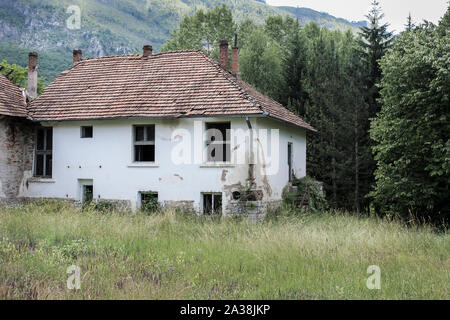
[(174, 127), (16, 140)]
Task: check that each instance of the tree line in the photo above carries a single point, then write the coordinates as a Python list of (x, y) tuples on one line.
[(380, 102)]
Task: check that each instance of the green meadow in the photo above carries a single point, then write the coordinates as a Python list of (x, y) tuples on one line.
[(174, 255)]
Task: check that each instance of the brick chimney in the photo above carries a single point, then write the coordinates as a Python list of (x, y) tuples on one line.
[(147, 50), (77, 56), (32, 75), (235, 58), (224, 54)]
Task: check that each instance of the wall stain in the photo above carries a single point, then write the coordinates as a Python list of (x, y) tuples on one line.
[(224, 175)]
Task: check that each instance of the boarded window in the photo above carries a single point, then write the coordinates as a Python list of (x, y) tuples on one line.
[(144, 143), (87, 132), (218, 141), (43, 153), (212, 203)]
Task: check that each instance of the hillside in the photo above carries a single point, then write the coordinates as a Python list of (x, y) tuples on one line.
[(114, 26)]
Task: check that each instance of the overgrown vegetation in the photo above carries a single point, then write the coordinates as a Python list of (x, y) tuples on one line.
[(412, 131), (333, 81), (308, 196), (181, 256)]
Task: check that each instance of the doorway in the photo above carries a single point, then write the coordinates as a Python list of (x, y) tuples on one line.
[(290, 175), (86, 193)]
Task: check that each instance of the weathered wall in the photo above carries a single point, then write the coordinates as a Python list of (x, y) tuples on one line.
[(16, 155), (107, 160)]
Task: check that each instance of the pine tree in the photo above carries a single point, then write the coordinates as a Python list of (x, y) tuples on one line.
[(376, 40), (409, 23), (294, 70)]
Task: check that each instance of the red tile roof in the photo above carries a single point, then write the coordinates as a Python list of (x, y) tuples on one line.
[(164, 85), (12, 100)]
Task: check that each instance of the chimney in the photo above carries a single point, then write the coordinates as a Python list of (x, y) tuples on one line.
[(235, 58), (147, 51), (32, 75), (224, 54), (77, 56)]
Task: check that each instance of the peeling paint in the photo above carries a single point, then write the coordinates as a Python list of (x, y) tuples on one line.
[(224, 175), (177, 175), (265, 180)]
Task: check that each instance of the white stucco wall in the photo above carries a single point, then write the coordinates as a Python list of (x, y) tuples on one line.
[(106, 159)]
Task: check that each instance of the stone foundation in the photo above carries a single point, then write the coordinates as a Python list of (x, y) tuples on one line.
[(179, 205), (255, 210)]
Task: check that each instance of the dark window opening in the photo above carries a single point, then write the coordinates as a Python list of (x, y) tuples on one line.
[(144, 143), (149, 201), (87, 132), (290, 161), (43, 153), (218, 141), (212, 203), (88, 194)]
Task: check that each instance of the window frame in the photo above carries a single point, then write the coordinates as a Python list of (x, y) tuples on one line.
[(290, 162), (144, 142), (151, 194), (44, 153), (82, 132), (213, 195), (226, 144)]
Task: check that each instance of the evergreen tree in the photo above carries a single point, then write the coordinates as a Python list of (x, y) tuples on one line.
[(375, 41), (294, 71), (409, 23), (326, 111), (357, 119)]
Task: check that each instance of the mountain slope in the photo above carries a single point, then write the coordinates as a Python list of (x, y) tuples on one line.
[(111, 27)]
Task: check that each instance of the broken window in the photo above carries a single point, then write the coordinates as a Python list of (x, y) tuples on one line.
[(144, 143), (87, 132), (43, 153), (218, 141), (212, 203), (149, 201)]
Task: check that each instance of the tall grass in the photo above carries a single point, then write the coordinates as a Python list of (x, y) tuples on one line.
[(180, 256)]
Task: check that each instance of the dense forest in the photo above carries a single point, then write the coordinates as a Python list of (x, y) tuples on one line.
[(380, 103)]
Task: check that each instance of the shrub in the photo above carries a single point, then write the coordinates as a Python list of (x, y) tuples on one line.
[(309, 191)]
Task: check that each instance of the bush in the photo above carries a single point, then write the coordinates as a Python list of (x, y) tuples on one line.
[(309, 191)]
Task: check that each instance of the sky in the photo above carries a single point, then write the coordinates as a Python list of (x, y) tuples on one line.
[(396, 11)]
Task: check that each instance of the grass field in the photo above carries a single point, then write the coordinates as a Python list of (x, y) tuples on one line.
[(176, 256)]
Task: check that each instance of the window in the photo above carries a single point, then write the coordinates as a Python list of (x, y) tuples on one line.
[(144, 143), (88, 194), (212, 203), (86, 191), (87, 132), (218, 141), (149, 201), (290, 161), (43, 153)]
